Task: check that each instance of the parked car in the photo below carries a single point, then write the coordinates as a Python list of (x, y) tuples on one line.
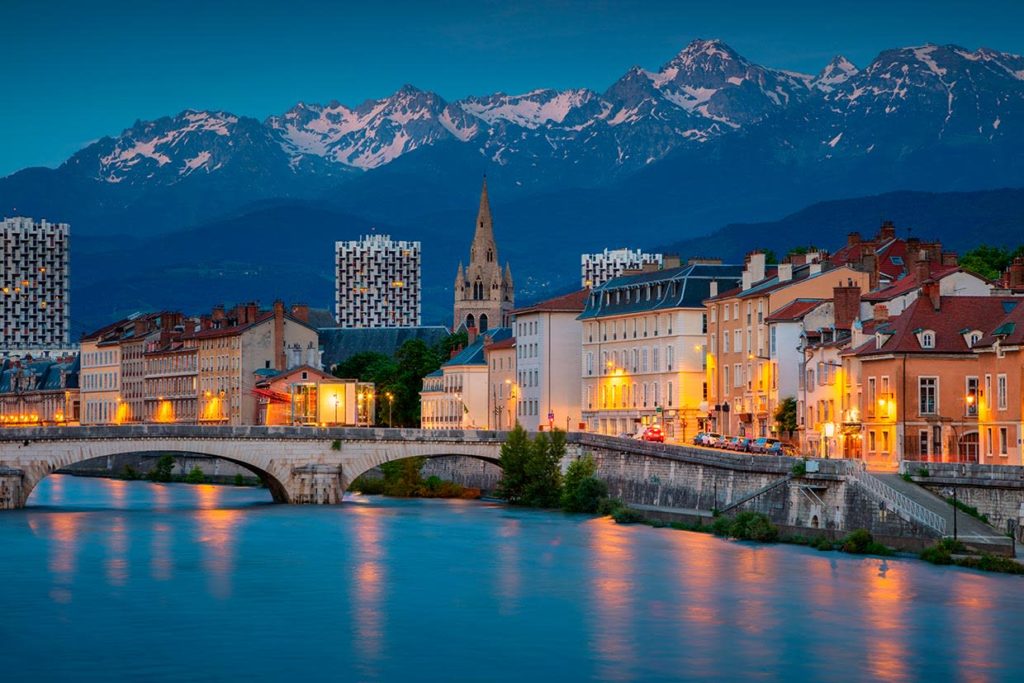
[(762, 444), (712, 439), (789, 449), (654, 433), (698, 438), (737, 443), (779, 448)]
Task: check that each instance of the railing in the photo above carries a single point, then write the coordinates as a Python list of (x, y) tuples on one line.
[(904, 506)]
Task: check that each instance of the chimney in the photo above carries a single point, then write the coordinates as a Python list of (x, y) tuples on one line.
[(205, 322), (881, 312), (815, 269), (252, 309), (650, 267), (869, 264), (922, 270), (785, 272), (930, 289), (852, 239), (218, 314), (949, 258), (846, 305), (703, 261), (755, 266), (798, 259), (887, 232), (471, 333), (746, 281), (278, 338), (300, 312), (141, 327), (713, 288)]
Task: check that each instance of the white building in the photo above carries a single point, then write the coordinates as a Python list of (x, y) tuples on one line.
[(34, 292), (644, 349), (458, 395), (548, 361), (377, 282), (597, 269)]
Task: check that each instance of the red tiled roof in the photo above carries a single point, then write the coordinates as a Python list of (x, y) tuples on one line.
[(509, 343), (956, 314), (571, 303), (853, 253), (1010, 330), (910, 282), (794, 310)]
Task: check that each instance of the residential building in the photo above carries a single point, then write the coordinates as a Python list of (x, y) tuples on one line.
[(548, 362), (500, 357), (998, 391), (458, 395), (377, 282), (34, 287), (484, 294), (39, 392), (921, 382), (953, 281), (232, 345), (308, 396), (100, 375), (749, 374), (644, 348), (597, 269), (170, 384), (143, 330)]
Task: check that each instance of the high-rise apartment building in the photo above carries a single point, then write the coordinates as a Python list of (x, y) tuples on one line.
[(377, 282), (597, 269), (34, 293)]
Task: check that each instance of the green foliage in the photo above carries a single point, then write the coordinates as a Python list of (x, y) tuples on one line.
[(968, 509), (861, 542), (906, 476), (626, 515), (746, 526), (543, 485), (581, 490), (989, 261), (371, 486), (942, 552), (800, 468), (444, 348), (824, 544), (515, 453), (130, 473), (336, 445), (196, 476), (785, 416), (991, 563), (239, 479), (402, 478), (922, 472), (161, 472), (608, 506)]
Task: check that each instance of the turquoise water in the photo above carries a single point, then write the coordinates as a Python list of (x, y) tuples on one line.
[(107, 580)]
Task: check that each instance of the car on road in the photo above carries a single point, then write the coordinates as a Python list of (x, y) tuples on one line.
[(738, 443), (654, 433), (711, 439), (763, 444), (698, 438)]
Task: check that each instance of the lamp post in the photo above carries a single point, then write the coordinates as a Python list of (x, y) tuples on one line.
[(391, 401), (952, 491), (511, 400), (334, 400)]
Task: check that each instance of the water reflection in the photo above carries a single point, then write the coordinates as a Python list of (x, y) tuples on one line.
[(160, 562), (611, 592), (885, 603), (368, 586), (217, 534), (508, 571), (970, 617)]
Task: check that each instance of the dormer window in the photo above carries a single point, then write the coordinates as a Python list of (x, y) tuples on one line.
[(926, 338), (973, 337)]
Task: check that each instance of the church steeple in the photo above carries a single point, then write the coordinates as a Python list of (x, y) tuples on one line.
[(484, 294), (483, 237)]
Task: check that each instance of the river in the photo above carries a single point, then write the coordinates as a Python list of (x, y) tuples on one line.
[(104, 580)]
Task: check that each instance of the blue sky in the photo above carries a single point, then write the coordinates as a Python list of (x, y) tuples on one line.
[(73, 71)]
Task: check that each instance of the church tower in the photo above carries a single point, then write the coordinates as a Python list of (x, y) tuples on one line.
[(484, 295)]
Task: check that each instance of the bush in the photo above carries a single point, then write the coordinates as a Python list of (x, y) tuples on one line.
[(582, 491), (861, 542), (196, 476), (906, 476), (824, 544), (161, 472), (609, 506), (800, 468), (990, 563), (370, 486), (336, 445), (239, 479), (747, 526), (923, 472), (967, 509), (942, 552), (130, 473), (627, 516)]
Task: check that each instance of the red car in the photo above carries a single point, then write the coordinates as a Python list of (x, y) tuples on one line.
[(654, 433)]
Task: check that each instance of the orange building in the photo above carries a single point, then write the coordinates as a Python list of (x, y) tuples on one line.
[(307, 396), (999, 399), (920, 379)]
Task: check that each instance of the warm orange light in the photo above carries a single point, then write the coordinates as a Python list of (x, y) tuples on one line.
[(970, 399), (123, 412), (164, 412), (211, 409)]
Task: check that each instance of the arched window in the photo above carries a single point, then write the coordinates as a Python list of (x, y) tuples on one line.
[(490, 255), (483, 322), (470, 321)]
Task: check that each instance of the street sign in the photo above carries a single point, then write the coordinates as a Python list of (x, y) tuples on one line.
[(551, 417)]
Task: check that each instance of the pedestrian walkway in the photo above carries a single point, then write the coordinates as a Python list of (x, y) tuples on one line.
[(969, 530)]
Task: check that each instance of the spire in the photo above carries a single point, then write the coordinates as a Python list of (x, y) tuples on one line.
[(508, 274), (484, 235)]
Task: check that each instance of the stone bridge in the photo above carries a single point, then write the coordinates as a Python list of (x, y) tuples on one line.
[(298, 464)]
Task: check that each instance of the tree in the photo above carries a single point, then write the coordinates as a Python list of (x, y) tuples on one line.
[(989, 261), (785, 416), (403, 477), (582, 491), (196, 476), (514, 455), (163, 468), (543, 487)]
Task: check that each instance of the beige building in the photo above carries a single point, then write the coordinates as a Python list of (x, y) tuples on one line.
[(458, 396), (644, 349), (100, 376), (500, 357)]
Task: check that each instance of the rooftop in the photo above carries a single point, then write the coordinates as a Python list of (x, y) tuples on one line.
[(682, 287)]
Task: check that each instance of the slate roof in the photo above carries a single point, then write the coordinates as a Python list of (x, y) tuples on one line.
[(683, 287), (956, 316), (569, 303), (341, 343), (1009, 330), (45, 374), (474, 353)]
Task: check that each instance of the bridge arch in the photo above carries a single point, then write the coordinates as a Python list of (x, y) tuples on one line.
[(353, 471)]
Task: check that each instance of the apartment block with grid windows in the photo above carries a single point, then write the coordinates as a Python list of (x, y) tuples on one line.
[(34, 292), (377, 282)]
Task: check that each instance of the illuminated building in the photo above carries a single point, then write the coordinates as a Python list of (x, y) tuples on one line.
[(377, 282), (171, 379), (308, 396), (458, 395), (34, 289), (39, 392), (597, 269), (500, 357), (100, 378), (644, 348), (484, 294), (999, 394), (548, 357)]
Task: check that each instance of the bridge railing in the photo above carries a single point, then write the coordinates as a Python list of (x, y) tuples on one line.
[(900, 503)]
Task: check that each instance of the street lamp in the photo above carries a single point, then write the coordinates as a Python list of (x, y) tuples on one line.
[(952, 491), (334, 400), (390, 398)]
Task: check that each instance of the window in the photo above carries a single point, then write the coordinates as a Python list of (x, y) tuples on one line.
[(725, 313), (654, 360), (988, 445), (714, 314), (1001, 392), (771, 343), (1002, 441), (590, 362), (885, 440), (927, 339), (725, 377), (737, 342), (737, 375), (643, 360), (971, 394), (871, 441), (928, 389), (669, 357), (725, 342), (703, 323), (923, 449)]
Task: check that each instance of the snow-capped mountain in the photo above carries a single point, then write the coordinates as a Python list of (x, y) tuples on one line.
[(838, 71)]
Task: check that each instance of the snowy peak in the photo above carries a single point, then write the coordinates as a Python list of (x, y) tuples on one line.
[(533, 109), (838, 71)]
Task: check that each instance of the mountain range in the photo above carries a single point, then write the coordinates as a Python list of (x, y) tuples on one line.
[(661, 156)]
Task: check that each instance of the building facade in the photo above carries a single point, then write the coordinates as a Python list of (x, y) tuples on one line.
[(39, 392), (548, 362), (484, 293), (998, 391), (597, 269), (308, 396), (377, 282), (644, 349), (501, 377), (100, 377), (34, 287), (458, 396)]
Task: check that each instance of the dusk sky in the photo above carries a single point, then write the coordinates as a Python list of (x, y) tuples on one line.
[(75, 71)]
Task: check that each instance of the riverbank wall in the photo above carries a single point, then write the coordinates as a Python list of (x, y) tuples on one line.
[(996, 491)]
